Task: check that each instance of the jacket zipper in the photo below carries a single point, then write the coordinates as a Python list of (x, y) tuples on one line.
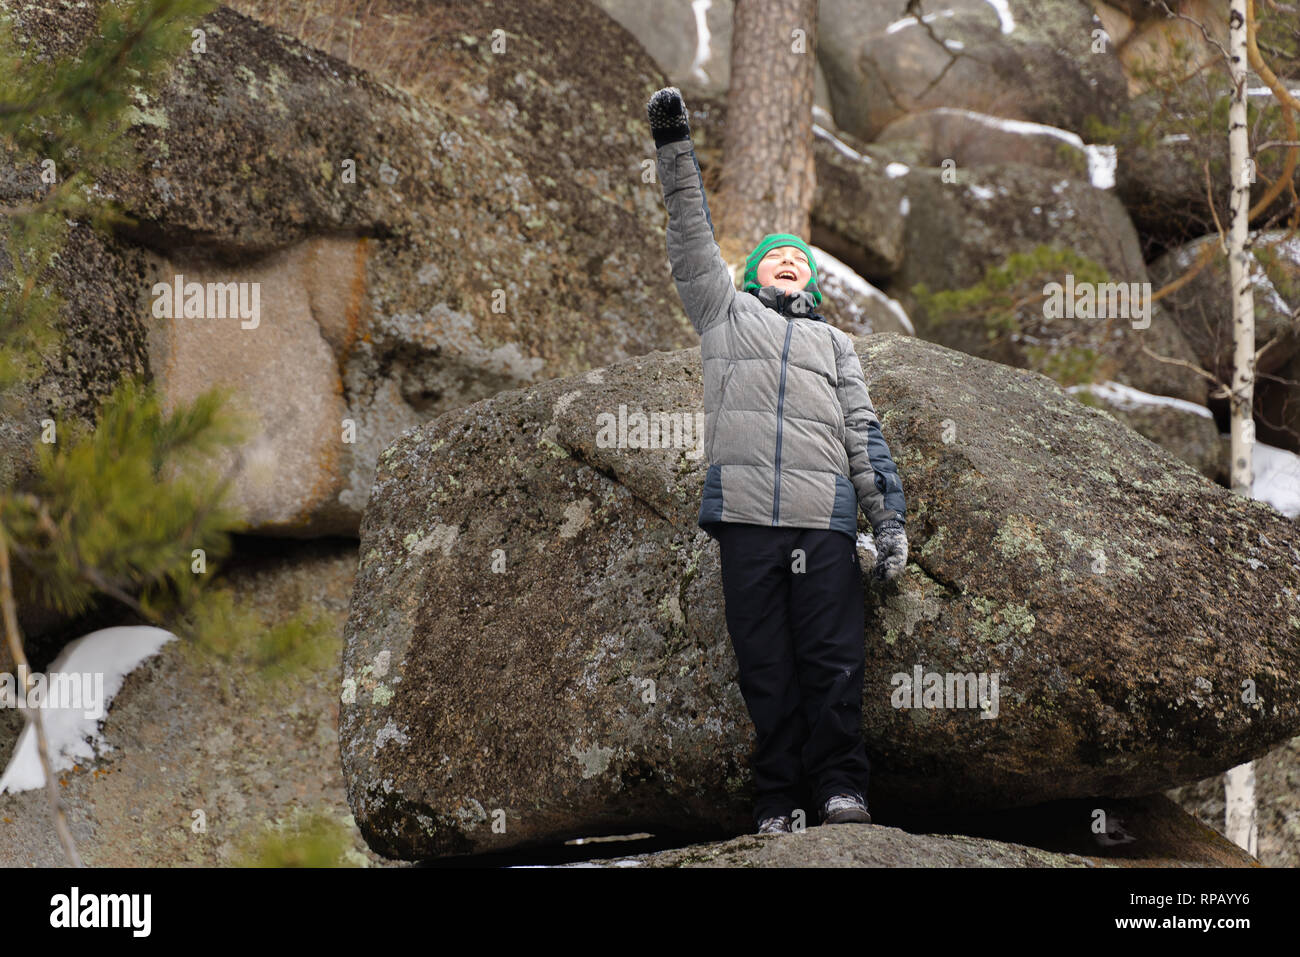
[(780, 404)]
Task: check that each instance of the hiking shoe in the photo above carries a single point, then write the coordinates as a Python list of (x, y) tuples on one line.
[(775, 825), (845, 809)]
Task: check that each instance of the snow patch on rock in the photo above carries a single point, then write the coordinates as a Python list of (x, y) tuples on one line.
[(832, 273), (112, 653), (1128, 398), (1277, 479), (839, 144)]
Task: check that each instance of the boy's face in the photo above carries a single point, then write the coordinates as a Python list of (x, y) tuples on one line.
[(785, 267)]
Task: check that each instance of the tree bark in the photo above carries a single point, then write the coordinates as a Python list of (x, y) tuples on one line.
[(768, 177), (1239, 255), (1239, 797)]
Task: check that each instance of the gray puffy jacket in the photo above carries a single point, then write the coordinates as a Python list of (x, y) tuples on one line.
[(789, 429)]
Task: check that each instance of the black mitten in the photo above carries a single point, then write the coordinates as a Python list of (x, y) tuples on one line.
[(667, 113)]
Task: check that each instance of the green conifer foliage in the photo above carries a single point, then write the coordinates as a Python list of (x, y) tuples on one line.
[(133, 507)]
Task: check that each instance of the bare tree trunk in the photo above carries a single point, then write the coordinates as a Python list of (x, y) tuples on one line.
[(768, 177), (1239, 785), (1239, 807)]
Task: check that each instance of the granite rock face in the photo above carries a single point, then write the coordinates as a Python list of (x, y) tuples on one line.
[(537, 648), (1153, 832), (410, 255), (956, 232), (1026, 59)]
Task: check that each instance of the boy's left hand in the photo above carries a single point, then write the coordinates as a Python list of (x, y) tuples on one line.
[(891, 550)]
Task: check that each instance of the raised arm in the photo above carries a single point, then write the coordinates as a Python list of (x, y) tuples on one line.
[(702, 278)]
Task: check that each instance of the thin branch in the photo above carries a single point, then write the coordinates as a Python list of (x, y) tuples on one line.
[(1185, 364), (1286, 102), (1260, 351), (1203, 259), (1204, 32), (33, 714), (1209, 192)]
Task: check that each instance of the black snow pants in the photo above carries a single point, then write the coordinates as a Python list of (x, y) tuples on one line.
[(796, 623)]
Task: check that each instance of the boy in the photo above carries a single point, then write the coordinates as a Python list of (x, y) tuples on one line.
[(794, 448)]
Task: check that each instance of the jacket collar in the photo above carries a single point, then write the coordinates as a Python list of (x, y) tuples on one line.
[(789, 304)]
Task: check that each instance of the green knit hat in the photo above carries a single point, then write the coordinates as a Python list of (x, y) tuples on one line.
[(770, 241)]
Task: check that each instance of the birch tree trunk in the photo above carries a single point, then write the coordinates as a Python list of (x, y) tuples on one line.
[(768, 177), (1239, 783), (1239, 807)]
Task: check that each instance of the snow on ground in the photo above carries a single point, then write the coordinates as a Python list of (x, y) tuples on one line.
[(1277, 479), (703, 51), (1005, 19), (1277, 471), (909, 21), (1290, 248), (831, 271), (839, 144), (108, 655), (622, 862), (1102, 160), (1127, 397), (1264, 285)]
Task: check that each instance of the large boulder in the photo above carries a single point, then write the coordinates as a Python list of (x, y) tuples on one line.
[(860, 204), (690, 42), (959, 228), (1155, 45), (412, 255), (537, 648), (855, 305), (964, 138), (1023, 59)]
